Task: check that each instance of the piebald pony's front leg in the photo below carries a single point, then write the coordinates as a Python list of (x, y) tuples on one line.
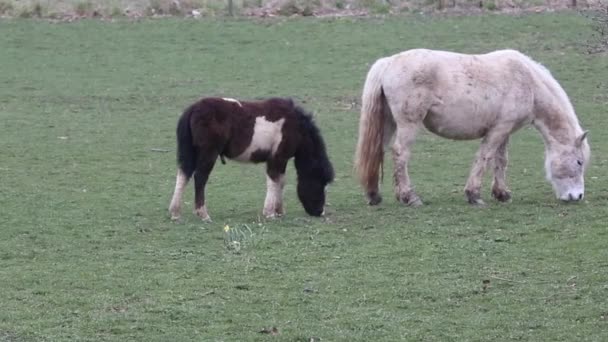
[(404, 192), (275, 182), (486, 153), (499, 185)]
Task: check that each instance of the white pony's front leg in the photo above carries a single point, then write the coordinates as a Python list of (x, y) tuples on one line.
[(499, 185), (273, 205), (485, 154), (180, 184)]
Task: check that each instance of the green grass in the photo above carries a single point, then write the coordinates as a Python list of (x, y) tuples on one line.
[(88, 253)]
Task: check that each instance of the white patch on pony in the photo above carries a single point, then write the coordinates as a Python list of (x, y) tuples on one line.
[(229, 99), (273, 205), (267, 136), (180, 183)]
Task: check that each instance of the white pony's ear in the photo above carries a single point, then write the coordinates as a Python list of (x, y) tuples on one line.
[(579, 140)]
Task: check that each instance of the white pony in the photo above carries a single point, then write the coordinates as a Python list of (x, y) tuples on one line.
[(464, 97)]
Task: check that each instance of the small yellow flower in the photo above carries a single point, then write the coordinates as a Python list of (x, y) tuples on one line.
[(226, 228)]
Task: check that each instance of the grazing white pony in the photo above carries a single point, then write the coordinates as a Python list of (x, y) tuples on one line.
[(464, 97)]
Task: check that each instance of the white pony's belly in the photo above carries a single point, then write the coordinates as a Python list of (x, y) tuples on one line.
[(468, 127), (267, 136)]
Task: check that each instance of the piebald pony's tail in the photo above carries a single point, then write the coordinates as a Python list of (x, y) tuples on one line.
[(186, 151), (369, 155)]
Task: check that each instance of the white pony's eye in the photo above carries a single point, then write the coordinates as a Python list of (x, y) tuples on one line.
[(580, 163)]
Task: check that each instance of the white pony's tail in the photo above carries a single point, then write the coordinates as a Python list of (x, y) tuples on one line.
[(369, 155)]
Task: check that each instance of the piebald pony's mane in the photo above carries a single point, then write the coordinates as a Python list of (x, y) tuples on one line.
[(311, 159)]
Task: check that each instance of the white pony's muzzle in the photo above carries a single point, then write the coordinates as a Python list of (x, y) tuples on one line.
[(572, 196)]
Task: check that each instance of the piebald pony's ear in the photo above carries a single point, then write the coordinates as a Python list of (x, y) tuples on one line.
[(579, 140)]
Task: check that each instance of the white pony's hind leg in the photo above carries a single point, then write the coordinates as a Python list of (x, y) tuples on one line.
[(406, 134), (180, 184), (499, 185)]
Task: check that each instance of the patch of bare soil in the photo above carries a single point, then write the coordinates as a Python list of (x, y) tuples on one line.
[(352, 8)]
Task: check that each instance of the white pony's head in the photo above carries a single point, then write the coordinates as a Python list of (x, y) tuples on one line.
[(565, 168)]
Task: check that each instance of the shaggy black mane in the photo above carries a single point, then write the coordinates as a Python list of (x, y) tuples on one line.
[(311, 159)]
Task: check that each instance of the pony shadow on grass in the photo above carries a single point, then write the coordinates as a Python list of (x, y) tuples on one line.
[(269, 131)]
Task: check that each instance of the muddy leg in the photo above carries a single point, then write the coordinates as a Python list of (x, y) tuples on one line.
[(485, 154), (499, 185), (404, 139)]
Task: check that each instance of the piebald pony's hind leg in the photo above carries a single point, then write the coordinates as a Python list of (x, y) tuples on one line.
[(275, 182), (499, 185), (206, 161), (486, 153), (181, 180), (404, 192)]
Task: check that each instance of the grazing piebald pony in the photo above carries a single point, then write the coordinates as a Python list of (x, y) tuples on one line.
[(270, 131), (464, 97)]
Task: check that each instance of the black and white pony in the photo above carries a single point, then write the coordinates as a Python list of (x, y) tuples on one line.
[(271, 131)]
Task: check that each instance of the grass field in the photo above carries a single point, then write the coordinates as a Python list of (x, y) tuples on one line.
[(88, 253)]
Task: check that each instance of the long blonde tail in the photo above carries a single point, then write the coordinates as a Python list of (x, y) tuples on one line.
[(370, 146)]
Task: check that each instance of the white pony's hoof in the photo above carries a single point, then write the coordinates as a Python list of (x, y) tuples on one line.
[(373, 198), (474, 198), (501, 195), (410, 199), (478, 202), (415, 202)]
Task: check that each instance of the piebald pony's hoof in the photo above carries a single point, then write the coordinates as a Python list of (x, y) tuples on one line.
[(202, 213), (175, 213), (272, 211), (271, 216)]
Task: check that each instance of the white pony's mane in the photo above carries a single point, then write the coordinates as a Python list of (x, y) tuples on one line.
[(543, 75), (552, 85)]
